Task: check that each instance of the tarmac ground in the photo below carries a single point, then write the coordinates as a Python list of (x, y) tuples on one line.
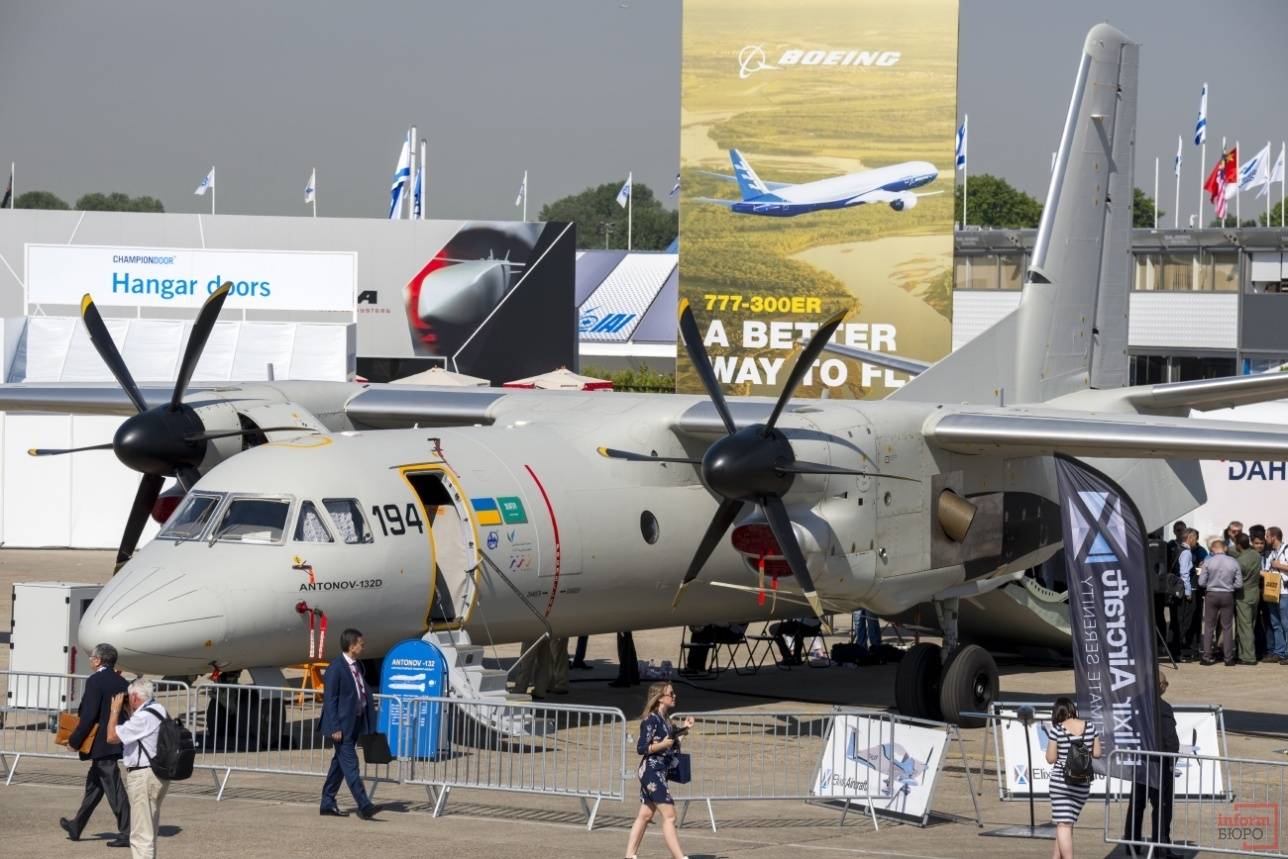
[(276, 815)]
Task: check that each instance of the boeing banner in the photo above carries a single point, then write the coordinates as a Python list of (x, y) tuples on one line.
[(816, 156), (1111, 610)]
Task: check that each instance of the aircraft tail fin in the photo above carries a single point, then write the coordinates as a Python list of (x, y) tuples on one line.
[(1069, 332), (748, 182)]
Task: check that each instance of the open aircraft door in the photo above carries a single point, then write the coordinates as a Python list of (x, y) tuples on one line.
[(453, 544)]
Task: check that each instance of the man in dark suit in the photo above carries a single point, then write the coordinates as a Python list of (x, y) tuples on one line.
[(1157, 784), (104, 777), (347, 712)]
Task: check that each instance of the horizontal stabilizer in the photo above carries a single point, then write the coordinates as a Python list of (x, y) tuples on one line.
[(1047, 432), (1208, 394), (911, 366)]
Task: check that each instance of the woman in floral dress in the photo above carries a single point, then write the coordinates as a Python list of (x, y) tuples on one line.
[(659, 749)]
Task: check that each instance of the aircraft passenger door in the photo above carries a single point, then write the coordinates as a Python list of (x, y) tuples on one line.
[(453, 549)]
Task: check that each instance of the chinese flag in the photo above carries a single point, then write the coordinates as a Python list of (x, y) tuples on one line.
[(1226, 172)]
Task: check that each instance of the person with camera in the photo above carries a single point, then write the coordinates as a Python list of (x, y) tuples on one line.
[(1073, 743), (659, 750)]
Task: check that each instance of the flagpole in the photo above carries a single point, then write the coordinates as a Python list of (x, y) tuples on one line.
[(424, 180), (12, 195), (315, 192), (1176, 210), (1155, 192), (213, 189), (1236, 171), (965, 166), (525, 196), (1281, 192), (630, 210), (1202, 167), (1238, 194)]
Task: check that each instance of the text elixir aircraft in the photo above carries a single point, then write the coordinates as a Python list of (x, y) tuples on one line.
[(506, 514), (891, 185)]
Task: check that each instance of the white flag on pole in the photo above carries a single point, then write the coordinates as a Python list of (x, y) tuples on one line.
[(1176, 164), (523, 190), (625, 194), (402, 175), (1276, 173), (1255, 171), (311, 189), (206, 183)]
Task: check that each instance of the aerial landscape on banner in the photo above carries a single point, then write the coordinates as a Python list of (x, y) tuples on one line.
[(817, 176)]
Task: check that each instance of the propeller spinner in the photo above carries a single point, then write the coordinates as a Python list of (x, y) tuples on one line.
[(752, 465)]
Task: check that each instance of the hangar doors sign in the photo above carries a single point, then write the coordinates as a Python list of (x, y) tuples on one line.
[(817, 175), (185, 277)]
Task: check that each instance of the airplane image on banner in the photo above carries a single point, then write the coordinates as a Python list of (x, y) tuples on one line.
[(891, 185)]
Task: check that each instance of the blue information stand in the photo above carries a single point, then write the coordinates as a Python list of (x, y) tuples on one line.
[(413, 669)]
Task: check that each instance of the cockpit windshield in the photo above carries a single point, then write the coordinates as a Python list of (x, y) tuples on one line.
[(187, 522), (253, 520)]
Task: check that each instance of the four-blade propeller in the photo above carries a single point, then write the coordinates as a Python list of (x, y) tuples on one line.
[(752, 465), (161, 441)]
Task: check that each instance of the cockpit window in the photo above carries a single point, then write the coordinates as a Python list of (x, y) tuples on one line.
[(350, 524), (190, 519), (310, 528), (254, 520)]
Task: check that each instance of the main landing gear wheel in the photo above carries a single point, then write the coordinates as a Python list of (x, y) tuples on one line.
[(969, 685), (916, 683)]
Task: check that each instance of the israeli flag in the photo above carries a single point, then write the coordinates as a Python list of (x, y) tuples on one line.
[(402, 173), (417, 188), (1254, 172), (961, 143), (206, 184), (1176, 164), (523, 190), (1200, 127), (675, 189), (625, 194), (311, 189)]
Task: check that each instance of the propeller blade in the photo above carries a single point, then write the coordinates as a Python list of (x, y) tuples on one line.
[(800, 467), (53, 451), (806, 359), (727, 512), (106, 348), (187, 477), (144, 499), (781, 524), (702, 364), (612, 453), (214, 434), (197, 341)]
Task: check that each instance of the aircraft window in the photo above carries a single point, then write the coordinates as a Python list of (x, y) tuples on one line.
[(350, 524), (254, 520), (311, 528), (190, 519)]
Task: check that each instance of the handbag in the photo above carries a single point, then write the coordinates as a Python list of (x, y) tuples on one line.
[(1271, 586), (375, 748), (67, 724), (682, 772)]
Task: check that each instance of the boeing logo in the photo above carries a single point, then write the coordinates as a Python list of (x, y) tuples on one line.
[(752, 59)]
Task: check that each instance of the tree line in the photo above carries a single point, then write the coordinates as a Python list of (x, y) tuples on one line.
[(94, 202)]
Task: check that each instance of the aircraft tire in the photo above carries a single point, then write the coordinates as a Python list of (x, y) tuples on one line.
[(916, 683), (969, 685)]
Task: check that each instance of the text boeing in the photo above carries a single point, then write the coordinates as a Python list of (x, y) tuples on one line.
[(751, 59)]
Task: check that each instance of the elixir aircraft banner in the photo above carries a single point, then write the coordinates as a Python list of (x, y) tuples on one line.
[(816, 152)]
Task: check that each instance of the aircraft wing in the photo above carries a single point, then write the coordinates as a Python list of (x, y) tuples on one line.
[(728, 204), (1042, 432), (80, 399)]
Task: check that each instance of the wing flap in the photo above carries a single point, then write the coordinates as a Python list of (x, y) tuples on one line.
[(1018, 433)]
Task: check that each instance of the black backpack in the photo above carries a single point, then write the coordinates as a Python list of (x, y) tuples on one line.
[(175, 750), (1078, 768)]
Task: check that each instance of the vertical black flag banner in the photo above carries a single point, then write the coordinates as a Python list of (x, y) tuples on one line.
[(1111, 610)]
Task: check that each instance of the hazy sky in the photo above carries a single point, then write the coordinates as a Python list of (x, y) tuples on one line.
[(143, 97)]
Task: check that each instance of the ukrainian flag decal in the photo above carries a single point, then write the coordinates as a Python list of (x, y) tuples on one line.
[(487, 511)]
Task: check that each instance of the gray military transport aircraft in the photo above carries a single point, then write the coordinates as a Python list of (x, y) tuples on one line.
[(500, 515)]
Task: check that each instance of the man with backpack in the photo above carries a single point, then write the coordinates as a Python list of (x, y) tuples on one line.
[(145, 788)]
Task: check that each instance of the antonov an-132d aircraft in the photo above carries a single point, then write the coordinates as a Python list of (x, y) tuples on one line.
[(891, 185), (502, 515)]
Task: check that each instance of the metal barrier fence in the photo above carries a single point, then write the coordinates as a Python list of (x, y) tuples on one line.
[(29, 717), (1236, 807), (883, 762), (517, 747)]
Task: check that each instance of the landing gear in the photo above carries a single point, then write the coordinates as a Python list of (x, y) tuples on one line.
[(930, 686)]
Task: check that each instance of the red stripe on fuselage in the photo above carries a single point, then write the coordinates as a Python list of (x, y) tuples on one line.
[(554, 524)]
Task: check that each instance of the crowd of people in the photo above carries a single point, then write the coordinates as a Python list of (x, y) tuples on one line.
[(1226, 593)]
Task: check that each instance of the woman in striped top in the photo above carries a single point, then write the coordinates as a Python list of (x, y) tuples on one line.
[(1067, 798)]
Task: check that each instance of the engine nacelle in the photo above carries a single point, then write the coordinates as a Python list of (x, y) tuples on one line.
[(903, 201)]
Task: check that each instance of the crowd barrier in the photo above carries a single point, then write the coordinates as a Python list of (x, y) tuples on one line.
[(884, 763), (29, 717), (516, 747), (1236, 806), (437, 743)]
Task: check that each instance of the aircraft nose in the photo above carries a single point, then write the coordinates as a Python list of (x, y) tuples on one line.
[(161, 621)]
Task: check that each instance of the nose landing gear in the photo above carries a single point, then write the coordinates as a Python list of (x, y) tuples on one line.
[(929, 685)]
